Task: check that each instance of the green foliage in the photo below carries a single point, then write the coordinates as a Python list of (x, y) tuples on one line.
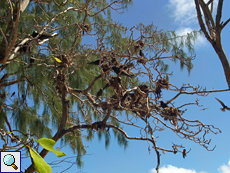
[(40, 102), (39, 163), (122, 140), (48, 144)]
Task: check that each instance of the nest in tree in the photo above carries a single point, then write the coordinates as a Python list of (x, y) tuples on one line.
[(141, 43), (85, 27), (115, 82), (142, 60), (105, 67), (162, 83), (144, 88), (138, 44), (171, 113), (65, 60)]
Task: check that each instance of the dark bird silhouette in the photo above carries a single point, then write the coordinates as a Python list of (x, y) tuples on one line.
[(32, 60), (119, 71), (26, 47), (224, 106), (43, 36), (99, 93), (97, 62), (163, 104), (114, 61), (141, 53), (12, 94), (184, 153), (106, 86)]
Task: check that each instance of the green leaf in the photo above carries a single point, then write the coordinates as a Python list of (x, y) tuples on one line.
[(39, 163), (48, 144)]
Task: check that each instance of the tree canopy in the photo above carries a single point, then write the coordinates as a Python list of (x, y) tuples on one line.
[(68, 71)]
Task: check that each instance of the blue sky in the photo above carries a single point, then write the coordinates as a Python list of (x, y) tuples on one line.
[(179, 15)]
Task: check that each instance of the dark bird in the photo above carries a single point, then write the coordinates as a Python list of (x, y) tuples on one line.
[(97, 62), (224, 106), (32, 60), (99, 93), (12, 94), (163, 104), (114, 61), (141, 53), (26, 47), (43, 36), (118, 71), (184, 153), (106, 86)]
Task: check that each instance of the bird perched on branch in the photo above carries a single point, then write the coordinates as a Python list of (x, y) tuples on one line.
[(26, 47), (99, 93), (141, 53), (12, 94), (97, 62), (106, 86), (120, 71), (224, 106), (184, 153), (31, 59), (163, 104), (43, 36)]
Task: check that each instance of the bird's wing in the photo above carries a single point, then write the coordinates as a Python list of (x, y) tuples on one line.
[(227, 108), (220, 102)]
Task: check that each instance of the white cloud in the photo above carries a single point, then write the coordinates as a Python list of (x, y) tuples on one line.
[(173, 169), (184, 15), (225, 168), (183, 11)]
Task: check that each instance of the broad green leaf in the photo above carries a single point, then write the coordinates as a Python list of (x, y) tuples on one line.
[(39, 163), (48, 144)]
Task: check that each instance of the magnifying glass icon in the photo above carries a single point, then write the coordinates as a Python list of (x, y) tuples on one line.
[(9, 160)]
